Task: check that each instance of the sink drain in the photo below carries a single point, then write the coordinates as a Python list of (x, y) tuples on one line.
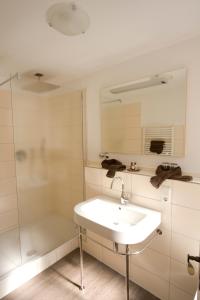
[(115, 223)]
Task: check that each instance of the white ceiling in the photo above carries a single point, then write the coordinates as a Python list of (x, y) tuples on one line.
[(119, 30)]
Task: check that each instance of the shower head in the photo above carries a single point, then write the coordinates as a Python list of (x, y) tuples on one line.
[(39, 86)]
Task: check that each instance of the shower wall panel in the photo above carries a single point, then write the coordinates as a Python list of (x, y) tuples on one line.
[(49, 168), (9, 226), (30, 138), (66, 144)]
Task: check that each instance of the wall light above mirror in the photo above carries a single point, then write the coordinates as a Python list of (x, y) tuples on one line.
[(145, 116)]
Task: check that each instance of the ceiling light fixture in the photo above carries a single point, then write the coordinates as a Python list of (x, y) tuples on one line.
[(68, 18)]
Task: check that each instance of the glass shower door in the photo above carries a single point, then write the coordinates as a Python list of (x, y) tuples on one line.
[(49, 168), (10, 256)]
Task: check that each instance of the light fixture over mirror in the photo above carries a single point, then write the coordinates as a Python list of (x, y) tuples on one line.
[(68, 18), (141, 84)]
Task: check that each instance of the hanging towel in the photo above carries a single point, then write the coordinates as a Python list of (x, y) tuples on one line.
[(112, 165), (163, 173), (157, 146)]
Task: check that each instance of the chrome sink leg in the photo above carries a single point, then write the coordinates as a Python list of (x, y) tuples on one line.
[(81, 258), (127, 272)]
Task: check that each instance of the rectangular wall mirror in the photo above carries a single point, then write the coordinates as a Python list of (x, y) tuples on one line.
[(145, 116)]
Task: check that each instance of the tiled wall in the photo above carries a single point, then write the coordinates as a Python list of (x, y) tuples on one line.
[(30, 113), (49, 132), (162, 267), (66, 151)]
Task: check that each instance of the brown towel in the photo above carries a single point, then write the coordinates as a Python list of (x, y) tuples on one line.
[(168, 173), (112, 165), (157, 146)]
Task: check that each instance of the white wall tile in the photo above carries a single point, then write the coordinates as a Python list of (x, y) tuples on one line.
[(181, 279), (186, 194), (154, 262), (182, 246), (92, 190), (141, 186), (106, 181), (150, 282), (7, 187), (5, 117), (177, 294), (93, 176), (186, 221), (111, 193), (7, 170), (8, 203), (93, 249), (6, 152), (128, 183), (114, 261), (6, 134), (5, 98), (100, 239), (162, 243), (151, 269)]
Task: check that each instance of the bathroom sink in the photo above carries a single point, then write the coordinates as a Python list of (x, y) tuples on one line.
[(123, 224)]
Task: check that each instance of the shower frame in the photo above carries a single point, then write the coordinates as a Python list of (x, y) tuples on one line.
[(84, 159)]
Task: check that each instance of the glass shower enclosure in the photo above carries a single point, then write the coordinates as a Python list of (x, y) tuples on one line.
[(41, 171)]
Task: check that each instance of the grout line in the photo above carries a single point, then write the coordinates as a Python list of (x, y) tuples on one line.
[(8, 211), (186, 236), (179, 288), (170, 260), (187, 207)]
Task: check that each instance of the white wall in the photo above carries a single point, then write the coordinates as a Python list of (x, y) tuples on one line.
[(185, 54), (162, 267)]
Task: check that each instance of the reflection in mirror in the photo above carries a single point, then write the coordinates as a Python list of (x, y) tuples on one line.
[(145, 116)]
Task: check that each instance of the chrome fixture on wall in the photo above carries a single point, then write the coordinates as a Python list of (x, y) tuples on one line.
[(104, 155), (133, 167), (21, 155), (124, 197)]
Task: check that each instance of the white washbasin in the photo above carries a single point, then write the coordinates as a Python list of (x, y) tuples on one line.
[(123, 224)]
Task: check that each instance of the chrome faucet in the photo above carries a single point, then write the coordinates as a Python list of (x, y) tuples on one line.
[(123, 198)]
